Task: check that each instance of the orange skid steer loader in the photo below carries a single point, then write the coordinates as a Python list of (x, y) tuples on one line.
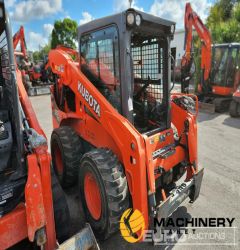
[(124, 138)]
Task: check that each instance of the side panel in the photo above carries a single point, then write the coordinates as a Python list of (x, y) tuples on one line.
[(16, 223), (186, 125)]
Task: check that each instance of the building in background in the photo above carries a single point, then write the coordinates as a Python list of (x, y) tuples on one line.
[(177, 45), (177, 51)]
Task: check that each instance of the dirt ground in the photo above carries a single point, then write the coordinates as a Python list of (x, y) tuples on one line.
[(219, 154)]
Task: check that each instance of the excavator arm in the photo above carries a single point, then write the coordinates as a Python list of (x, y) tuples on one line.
[(20, 37), (193, 20)]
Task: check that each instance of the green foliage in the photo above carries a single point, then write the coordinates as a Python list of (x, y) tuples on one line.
[(42, 53), (224, 21), (64, 33), (197, 61), (236, 12)]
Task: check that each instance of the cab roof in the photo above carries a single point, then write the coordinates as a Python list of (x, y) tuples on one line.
[(148, 20)]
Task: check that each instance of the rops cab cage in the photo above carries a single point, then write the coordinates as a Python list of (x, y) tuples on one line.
[(126, 56), (12, 174)]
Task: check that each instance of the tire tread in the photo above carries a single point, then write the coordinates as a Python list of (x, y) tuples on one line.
[(72, 153), (115, 184)]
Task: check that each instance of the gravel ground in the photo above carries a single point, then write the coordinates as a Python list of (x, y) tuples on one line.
[(219, 154)]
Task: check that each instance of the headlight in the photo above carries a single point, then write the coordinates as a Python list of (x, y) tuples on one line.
[(130, 18), (138, 20), (172, 28)]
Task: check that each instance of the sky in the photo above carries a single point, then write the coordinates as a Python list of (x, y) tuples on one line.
[(38, 16)]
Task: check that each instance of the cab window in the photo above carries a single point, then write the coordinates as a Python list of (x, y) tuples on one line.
[(100, 62)]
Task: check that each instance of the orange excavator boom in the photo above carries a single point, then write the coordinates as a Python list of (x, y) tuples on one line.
[(193, 20), (19, 36)]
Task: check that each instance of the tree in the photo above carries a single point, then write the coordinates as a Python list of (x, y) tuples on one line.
[(42, 53), (64, 33), (224, 21), (197, 60)]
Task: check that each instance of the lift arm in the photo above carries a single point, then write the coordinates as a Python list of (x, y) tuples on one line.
[(193, 20)]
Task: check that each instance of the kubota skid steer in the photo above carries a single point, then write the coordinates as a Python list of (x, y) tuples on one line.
[(32, 204), (117, 129)]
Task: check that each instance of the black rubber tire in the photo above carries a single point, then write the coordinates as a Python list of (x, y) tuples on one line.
[(61, 211), (221, 104), (69, 144), (112, 182), (233, 109)]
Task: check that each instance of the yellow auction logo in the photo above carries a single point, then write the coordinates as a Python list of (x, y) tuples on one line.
[(132, 225)]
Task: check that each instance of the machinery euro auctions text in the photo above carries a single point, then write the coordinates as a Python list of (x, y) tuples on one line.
[(169, 231)]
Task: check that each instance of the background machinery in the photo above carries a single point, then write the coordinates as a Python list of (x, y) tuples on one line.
[(117, 129), (191, 19), (220, 75), (32, 203), (34, 75), (19, 38), (225, 78), (235, 104)]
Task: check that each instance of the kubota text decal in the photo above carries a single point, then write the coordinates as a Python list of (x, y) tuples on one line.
[(89, 98)]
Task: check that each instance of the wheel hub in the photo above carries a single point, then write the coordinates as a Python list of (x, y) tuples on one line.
[(92, 196)]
